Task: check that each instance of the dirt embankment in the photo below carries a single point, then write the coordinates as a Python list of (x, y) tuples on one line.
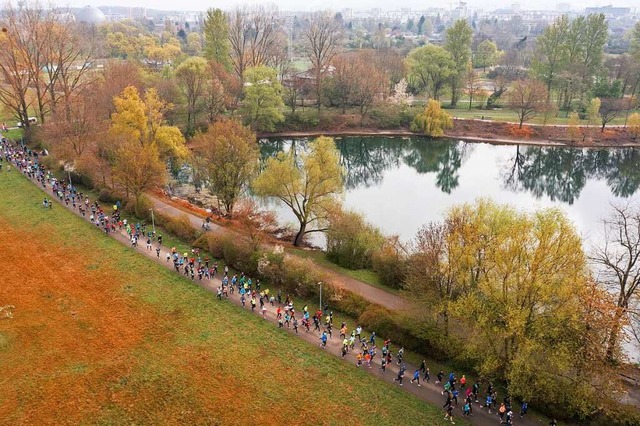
[(496, 132), (542, 135)]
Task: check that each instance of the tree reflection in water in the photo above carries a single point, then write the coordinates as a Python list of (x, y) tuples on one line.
[(558, 173), (562, 173)]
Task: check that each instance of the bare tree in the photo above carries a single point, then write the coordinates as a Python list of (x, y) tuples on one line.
[(323, 35), (46, 57), (611, 108), (15, 74), (254, 36), (527, 98), (618, 260), (70, 53)]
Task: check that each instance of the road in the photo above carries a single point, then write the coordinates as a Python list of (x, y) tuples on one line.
[(429, 392), (369, 292)]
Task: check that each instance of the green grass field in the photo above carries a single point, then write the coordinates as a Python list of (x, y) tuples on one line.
[(100, 335)]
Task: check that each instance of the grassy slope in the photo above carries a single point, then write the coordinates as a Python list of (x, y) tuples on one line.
[(365, 275), (179, 357)]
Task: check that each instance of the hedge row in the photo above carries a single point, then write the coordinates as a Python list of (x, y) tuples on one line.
[(300, 277)]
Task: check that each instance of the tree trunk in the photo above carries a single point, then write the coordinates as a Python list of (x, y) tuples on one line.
[(614, 336), (300, 235), (454, 96)]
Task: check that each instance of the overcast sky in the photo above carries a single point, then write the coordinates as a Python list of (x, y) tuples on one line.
[(337, 4)]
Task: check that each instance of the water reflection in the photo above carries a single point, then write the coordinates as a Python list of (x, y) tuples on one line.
[(558, 173), (562, 173), (365, 159)]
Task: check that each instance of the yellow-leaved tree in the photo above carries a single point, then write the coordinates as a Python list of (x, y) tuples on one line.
[(310, 187), (142, 120), (141, 142), (517, 288), (433, 121)]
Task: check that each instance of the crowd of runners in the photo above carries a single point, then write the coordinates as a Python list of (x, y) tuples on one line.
[(456, 392)]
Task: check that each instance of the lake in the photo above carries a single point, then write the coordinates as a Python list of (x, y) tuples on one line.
[(399, 184)]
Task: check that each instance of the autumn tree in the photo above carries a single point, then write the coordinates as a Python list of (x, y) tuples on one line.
[(75, 129), (391, 64), (574, 126), (527, 98), (137, 169), (228, 153), (593, 116), (14, 72), (262, 98), (192, 75), (46, 58), (340, 84), (473, 85), (323, 35), (458, 44), (309, 187), (430, 68), (216, 38), (140, 143), (498, 274), (142, 121), (369, 82), (634, 125), (433, 121)]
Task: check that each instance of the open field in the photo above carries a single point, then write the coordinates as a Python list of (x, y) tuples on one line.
[(101, 335)]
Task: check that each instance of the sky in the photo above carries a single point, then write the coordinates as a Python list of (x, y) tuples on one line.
[(338, 4)]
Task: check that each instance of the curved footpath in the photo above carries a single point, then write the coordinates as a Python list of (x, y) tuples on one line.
[(369, 292), (428, 392)]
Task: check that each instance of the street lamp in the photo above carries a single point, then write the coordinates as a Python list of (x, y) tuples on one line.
[(153, 223), (320, 284)]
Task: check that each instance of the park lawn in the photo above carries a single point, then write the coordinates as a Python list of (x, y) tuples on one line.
[(365, 275), (506, 115), (101, 335)]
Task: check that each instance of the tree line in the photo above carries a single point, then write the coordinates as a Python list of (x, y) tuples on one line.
[(212, 71)]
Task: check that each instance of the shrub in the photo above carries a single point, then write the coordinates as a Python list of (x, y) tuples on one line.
[(350, 303), (386, 116), (390, 263), (142, 208), (301, 277), (433, 121), (211, 243), (239, 253), (351, 240), (521, 133), (381, 320), (106, 196), (300, 121), (181, 227)]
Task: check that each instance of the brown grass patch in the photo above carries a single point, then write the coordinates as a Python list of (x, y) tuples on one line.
[(67, 320)]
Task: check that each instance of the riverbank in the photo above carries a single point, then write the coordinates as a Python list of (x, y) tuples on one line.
[(498, 133)]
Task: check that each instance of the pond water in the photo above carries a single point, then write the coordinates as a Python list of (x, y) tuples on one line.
[(399, 184)]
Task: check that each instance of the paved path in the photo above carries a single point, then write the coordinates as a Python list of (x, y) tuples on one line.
[(429, 392), (370, 293)]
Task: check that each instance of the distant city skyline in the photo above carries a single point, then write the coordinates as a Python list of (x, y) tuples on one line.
[(337, 5)]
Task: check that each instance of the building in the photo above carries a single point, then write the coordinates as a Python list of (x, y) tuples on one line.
[(90, 15), (610, 11)]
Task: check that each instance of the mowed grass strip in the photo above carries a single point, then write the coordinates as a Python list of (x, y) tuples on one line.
[(101, 335)]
